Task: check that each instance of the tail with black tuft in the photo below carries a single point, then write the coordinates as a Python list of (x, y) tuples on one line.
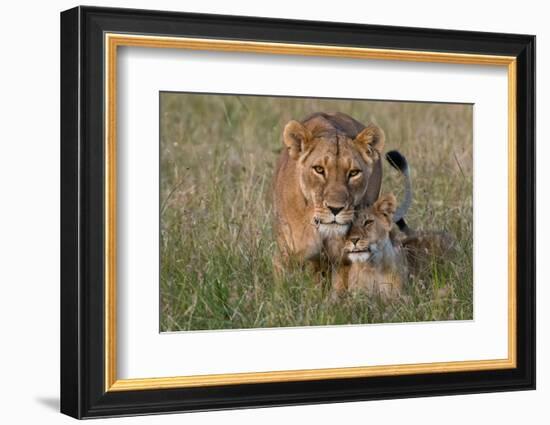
[(399, 162)]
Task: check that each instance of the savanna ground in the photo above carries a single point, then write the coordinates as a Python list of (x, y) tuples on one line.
[(218, 155)]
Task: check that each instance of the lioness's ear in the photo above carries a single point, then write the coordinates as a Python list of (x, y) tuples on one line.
[(371, 142), (385, 207), (297, 138)]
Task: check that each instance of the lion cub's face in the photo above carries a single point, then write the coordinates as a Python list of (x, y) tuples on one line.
[(333, 171), (370, 231)]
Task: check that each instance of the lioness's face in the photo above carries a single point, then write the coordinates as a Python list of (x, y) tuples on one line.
[(370, 231), (333, 171)]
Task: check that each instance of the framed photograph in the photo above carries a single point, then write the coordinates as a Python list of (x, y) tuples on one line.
[(261, 212)]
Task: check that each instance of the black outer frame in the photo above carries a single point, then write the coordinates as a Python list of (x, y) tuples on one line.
[(82, 219)]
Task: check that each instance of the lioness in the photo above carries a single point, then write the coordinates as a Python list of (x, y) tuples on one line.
[(371, 262), (330, 167)]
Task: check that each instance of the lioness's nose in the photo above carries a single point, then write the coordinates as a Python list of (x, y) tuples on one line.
[(354, 240), (335, 210)]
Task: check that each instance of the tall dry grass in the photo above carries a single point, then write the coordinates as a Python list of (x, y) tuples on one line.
[(217, 160)]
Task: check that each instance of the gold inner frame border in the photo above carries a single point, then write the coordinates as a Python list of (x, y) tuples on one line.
[(113, 40)]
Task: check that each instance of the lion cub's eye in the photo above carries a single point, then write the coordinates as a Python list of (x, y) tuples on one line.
[(353, 173), (368, 222), (319, 170)]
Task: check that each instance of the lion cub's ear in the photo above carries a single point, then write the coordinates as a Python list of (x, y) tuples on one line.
[(385, 207), (297, 139), (370, 142)]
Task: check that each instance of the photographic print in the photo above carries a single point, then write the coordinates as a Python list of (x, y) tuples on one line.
[(323, 190), (287, 211)]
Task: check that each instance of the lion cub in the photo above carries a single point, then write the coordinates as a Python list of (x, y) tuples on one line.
[(371, 263)]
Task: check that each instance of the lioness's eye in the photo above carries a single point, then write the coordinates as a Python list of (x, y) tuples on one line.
[(368, 222), (318, 169), (353, 173)]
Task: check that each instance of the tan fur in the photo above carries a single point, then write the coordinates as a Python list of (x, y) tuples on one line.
[(315, 174), (391, 256), (371, 263), (423, 247)]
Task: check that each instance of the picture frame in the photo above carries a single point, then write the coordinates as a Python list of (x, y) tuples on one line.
[(90, 40)]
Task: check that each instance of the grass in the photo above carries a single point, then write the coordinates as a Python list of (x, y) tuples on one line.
[(218, 155)]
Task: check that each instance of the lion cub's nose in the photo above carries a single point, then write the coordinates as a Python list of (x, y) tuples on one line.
[(354, 240), (335, 210)]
